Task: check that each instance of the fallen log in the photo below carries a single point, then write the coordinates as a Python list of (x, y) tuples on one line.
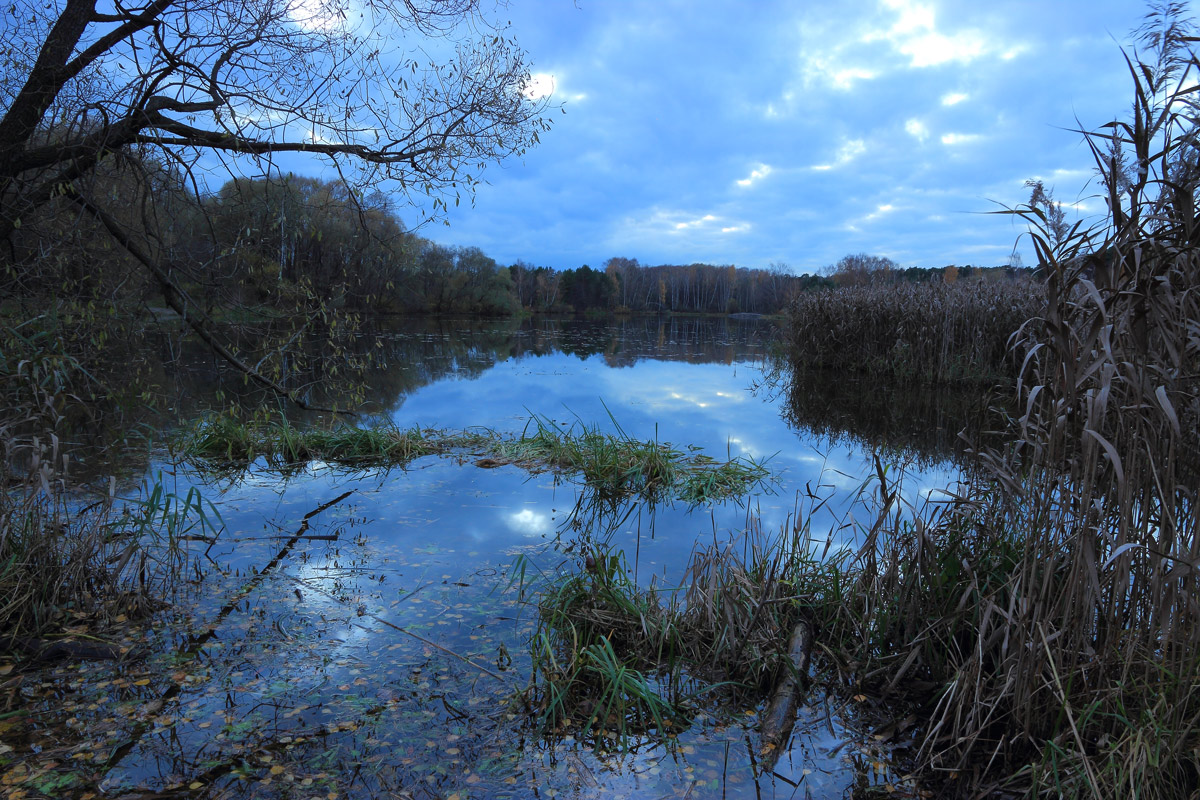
[(780, 716), (43, 650)]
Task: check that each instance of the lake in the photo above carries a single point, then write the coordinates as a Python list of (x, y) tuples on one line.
[(366, 633)]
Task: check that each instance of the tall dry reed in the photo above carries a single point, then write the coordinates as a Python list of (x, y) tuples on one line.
[(1049, 617), (928, 332)]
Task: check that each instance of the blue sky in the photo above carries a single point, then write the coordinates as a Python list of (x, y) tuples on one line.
[(751, 133)]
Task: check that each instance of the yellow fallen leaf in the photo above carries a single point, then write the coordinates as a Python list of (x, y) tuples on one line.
[(142, 682), (276, 770)]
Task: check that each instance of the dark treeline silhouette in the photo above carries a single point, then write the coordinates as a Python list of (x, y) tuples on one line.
[(303, 243)]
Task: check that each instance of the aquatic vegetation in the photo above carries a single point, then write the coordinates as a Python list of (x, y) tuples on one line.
[(612, 657), (613, 465), (616, 465)]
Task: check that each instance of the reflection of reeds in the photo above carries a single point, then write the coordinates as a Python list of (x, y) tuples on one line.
[(1050, 616), (929, 332), (906, 421)]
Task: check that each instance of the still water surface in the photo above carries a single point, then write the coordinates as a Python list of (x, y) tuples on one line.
[(376, 654)]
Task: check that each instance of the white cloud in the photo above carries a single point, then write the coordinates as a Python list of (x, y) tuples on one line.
[(757, 174), (824, 70), (954, 98), (319, 15), (953, 139), (694, 223), (850, 150), (933, 49), (736, 228), (879, 212), (917, 129), (915, 34)]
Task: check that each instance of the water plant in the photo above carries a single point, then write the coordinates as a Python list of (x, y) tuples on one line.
[(612, 465), (612, 657)]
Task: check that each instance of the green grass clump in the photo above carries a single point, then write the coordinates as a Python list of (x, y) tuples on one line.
[(598, 659), (614, 466), (281, 445), (611, 656)]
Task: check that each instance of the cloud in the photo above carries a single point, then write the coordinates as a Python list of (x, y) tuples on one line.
[(952, 139), (917, 129), (879, 211), (540, 85), (850, 150), (757, 174), (915, 34), (954, 98), (695, 223)]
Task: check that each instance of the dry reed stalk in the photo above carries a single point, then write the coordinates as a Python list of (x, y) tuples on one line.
[(1064, 628)]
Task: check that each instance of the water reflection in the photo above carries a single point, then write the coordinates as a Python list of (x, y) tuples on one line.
[(362, 633)]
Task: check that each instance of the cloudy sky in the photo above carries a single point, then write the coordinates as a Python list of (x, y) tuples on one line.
[(751, 133)]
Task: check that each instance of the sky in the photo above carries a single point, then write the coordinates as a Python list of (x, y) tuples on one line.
[(796, 133)]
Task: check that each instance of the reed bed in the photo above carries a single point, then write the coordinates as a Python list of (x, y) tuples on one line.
[(1047, 618), (929, 333)]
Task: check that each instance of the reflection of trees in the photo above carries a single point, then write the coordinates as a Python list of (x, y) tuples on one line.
[(389, 359), (908, 421)]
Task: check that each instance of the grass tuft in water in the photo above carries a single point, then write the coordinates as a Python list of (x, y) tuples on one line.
[(611, 656), (615, 466)]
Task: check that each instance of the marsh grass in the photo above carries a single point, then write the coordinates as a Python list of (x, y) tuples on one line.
[(68, 559), (613, 465), (598, 658), (617, 465), (622, 662)]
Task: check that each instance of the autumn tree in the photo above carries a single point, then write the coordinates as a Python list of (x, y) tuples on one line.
[(860, 268)]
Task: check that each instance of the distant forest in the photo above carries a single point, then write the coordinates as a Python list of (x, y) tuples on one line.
[(307, 242)]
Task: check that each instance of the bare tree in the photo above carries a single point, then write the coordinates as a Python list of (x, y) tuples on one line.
[(420, 94), (262, 78)]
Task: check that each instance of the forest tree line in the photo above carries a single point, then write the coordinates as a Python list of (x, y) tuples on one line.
[(301, 241)]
